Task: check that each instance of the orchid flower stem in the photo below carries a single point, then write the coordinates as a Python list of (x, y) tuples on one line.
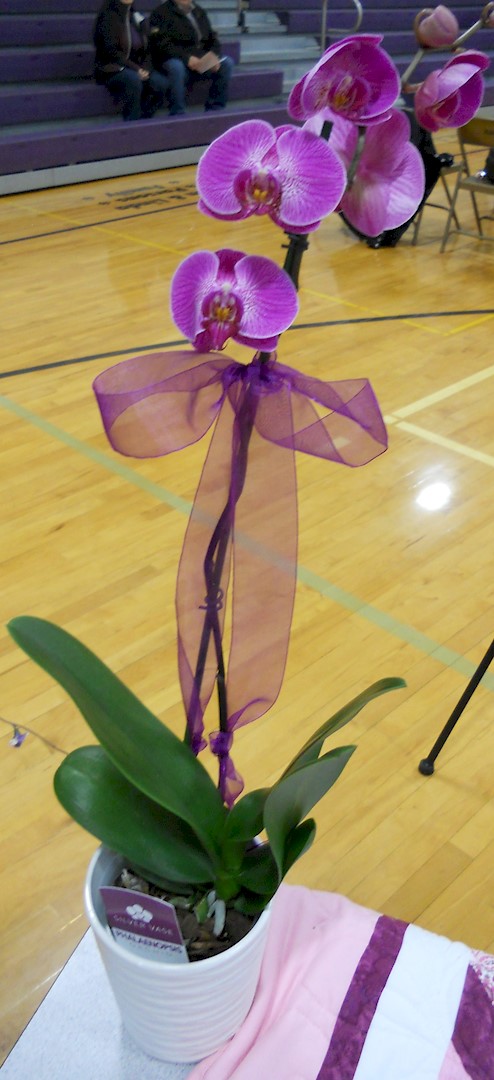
[(293, 259), (411, 67), (214, 564), (352, 169), (467, 34), (460, 41), (218, 546)]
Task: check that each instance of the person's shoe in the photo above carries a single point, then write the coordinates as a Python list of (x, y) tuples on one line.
[(445, 160)]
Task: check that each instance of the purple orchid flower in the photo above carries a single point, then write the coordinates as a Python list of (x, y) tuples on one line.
[(434, 28), (225, 294), (389, 180), (450, 97), (354, 79), (284, 172)]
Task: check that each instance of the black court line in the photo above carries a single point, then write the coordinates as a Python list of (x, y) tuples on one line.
[(392, 318), (96, 356), (94, 224), (298, 326)]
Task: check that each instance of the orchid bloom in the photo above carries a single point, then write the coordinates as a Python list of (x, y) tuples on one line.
[(284, 172), (451, 96), (225, 294), (389, 180), (354, 79), (436, 28)]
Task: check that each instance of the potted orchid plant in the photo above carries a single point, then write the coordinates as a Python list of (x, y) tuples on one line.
[(214, 852)]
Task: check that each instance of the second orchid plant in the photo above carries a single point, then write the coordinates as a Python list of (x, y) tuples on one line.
[(142, 791)]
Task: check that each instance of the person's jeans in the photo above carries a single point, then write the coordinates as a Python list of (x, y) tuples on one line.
[(181, 78), (136, 97)]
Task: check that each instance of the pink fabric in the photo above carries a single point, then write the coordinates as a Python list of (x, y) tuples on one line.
[(327, 970), (452, 1067), (288, 1029)]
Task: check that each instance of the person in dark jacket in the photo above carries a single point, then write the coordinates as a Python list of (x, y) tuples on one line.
[(120, 62), (184, 45)]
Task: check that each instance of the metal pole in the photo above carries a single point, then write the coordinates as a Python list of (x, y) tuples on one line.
[(339, 32), (426, 766)]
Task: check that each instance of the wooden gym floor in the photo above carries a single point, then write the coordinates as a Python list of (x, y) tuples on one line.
[(92, 541)]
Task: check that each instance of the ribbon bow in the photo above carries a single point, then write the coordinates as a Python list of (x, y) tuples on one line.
[(243, 522)]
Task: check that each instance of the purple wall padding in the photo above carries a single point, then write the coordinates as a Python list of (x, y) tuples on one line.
[(22, 153)]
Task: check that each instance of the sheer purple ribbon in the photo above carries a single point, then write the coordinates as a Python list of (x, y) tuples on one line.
[(244, 521)]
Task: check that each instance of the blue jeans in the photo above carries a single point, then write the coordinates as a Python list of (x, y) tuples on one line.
[(136, 97), (181, 78)]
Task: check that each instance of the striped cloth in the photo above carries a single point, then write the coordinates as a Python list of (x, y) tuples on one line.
[(348, 994)]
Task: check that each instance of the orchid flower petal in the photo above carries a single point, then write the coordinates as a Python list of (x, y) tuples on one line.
[(194, 278), (268, 295), (436, 28), (311, 175), (450, 97), (354, 78), (285, 173), (226, 294), (241, 147), (238, 216), (389, 180)]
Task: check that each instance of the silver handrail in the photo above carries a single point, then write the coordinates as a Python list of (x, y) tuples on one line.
[(325, 30)]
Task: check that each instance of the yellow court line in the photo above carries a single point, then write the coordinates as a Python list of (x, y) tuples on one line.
[(114, 232), (372, 312), (446, 392), (468, 326), (447, 444)]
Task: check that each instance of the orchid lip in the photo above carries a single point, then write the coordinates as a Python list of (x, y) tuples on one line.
[(222, 312), (258, 190)]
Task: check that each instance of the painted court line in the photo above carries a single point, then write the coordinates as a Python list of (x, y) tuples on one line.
[(446, 392), (447, 444), (93, 224), (398, 630), (122, 235)]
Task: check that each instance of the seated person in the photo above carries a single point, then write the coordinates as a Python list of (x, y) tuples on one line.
[(120, 61), (184, 45)]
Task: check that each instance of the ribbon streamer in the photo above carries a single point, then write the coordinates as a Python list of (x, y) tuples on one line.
[(244, 520)]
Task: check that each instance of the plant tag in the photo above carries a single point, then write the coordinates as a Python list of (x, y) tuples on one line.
[(144, 924)]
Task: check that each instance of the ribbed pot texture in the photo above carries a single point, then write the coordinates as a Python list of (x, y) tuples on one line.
[(175, 1012)]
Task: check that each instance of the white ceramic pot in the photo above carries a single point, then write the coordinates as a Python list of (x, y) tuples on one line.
[(175, 1012)]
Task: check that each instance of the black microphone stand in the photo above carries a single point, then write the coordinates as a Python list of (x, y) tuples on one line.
[(426, 766)]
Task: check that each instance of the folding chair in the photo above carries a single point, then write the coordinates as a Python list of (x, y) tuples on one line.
[(479, 132), (447, 170)]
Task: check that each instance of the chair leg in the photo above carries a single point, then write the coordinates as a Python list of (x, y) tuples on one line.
[(477, 215), (416, 226), (451, 213), (448, 196)]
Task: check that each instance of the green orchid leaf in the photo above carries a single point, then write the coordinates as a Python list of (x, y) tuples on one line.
[(140, 746), (291, 799), (312, 748), (259, 872), (251, 903), (245, 819), (99, 798), (298, 842)]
